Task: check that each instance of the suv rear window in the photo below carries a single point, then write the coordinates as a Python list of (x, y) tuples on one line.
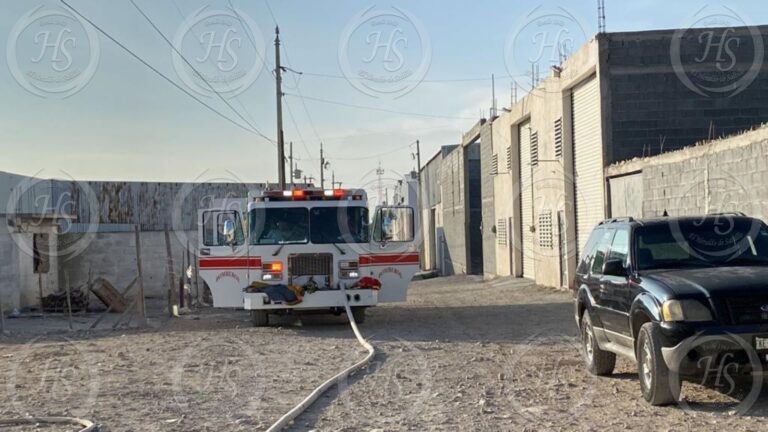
[(703, 243)]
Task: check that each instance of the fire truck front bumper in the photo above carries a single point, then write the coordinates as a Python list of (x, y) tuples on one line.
[(316, 300)]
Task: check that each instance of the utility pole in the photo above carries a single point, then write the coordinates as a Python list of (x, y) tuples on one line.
[(418, 196), (279, 94), (493, 97), (322, 167), (379, 173), (333, 179), (290, 166)]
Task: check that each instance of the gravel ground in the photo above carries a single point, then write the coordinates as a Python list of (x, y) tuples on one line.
[(460, 355)]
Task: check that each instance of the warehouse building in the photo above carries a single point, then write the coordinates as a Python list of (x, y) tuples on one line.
[(620, 96)]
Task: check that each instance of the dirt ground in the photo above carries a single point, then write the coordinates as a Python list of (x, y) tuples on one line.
[(460, 355)]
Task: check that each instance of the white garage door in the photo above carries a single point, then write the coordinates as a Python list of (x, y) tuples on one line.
[(587, 160), (526, 199)]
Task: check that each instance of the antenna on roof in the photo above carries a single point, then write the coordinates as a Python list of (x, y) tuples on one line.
[(601, 16)]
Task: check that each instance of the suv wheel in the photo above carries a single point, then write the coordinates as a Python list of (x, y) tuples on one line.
[(598, 362), (655, 382)]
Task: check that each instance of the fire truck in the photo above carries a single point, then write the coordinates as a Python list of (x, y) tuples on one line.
[(281, 252)]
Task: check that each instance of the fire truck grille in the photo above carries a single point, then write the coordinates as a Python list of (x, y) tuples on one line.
[(310, 264)]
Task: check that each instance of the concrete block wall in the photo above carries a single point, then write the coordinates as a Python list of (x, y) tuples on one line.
[(452, 183), (9, 277), (650, 103), (725, 175), (113, 257), (487, 149)]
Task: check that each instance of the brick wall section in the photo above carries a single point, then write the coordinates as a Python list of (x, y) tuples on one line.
[(487, 193), (649, 101), (454, 216)]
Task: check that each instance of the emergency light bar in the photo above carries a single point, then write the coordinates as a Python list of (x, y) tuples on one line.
[(313, 195)]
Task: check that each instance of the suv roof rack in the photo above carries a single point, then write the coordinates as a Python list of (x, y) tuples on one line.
[(728, 213), (628, 219)]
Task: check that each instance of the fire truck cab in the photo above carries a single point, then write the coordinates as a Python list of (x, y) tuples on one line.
[(281, 252)]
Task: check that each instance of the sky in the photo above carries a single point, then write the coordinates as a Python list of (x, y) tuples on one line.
[(367, 79)]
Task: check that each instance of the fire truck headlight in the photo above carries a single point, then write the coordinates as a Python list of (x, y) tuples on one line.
[(349, 269), (272, 271)]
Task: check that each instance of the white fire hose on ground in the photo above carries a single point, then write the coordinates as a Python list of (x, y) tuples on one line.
[(87, 425), (306, 403)]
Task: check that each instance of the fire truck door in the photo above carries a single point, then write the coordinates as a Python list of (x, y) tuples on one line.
[(224, 264), (393, 257)]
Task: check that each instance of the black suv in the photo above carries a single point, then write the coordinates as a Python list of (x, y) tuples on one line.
[(650, 290)]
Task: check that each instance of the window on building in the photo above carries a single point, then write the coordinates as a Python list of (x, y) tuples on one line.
[(534, 149), (41, 256), (494, 164)]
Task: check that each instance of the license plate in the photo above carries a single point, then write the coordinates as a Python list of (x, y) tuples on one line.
[(761, 343)]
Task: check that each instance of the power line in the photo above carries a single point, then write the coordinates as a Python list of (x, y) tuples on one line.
[(344, 77), (376, 155), (255, 49), (153, 69), (223, 99), (298, 132), (380, 109)]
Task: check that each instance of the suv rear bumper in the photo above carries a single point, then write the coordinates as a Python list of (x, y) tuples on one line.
[(692, 350)]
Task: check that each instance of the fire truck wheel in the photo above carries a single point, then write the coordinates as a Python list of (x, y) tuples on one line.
[(358, 313), (260, 318)]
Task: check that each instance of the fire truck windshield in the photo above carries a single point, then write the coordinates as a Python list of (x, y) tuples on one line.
[(277, 226), (339, 225)]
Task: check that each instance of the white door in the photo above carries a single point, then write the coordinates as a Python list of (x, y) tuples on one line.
[(587, 160), (393, 257), (526, 200), (224, 262)]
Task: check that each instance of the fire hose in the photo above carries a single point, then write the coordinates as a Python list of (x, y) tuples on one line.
[(309, 400), (87, 425)]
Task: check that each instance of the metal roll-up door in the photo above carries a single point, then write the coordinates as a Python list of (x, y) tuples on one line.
[(587, 160), (526, 199)]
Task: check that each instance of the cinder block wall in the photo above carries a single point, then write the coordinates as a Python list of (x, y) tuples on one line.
[(454, 214), (651, 104), (113, 257), (488, 198), (725, 175), (9, 276), (729, 180)]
